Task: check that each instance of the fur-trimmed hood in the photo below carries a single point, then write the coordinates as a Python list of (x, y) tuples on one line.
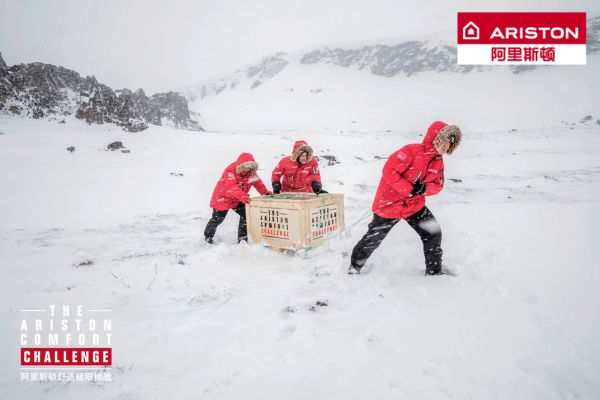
[(245, 163), (451, 133), (301, 147), (440, 131)]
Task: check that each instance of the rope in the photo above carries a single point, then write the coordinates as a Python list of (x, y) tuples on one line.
[(326, 238), (330, 236)]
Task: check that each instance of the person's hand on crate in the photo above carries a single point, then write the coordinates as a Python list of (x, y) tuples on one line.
[(317, 187), (276, 187)]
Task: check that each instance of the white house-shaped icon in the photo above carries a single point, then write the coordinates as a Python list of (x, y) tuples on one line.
[(471, 31)]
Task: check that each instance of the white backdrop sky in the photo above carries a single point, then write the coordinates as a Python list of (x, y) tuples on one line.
[(165, 45)]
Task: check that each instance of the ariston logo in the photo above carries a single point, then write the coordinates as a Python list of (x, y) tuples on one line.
[(471, 31), (503, 38)]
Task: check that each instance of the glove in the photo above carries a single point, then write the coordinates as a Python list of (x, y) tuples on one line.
[(276, 187), (317, 187), (246, 199), (419, 187)]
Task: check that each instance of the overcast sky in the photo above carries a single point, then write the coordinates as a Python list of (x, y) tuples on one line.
[(163, 45)]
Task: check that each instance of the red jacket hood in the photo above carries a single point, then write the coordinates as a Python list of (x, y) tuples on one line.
[(244, 157), (298, 144), (432, 132)]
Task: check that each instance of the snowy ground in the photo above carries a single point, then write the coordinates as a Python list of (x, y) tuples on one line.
[(520, 321)]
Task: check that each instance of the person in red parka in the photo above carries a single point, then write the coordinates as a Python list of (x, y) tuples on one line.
[(231, 192), (409, 175), (298, 173)]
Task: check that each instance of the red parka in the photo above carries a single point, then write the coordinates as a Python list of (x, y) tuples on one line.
[(293, 176), (235, 183), (402, 169)]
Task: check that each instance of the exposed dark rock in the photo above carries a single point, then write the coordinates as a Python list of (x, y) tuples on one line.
[(38, 113), (85, 263), (519, 69), (115, 146), (331, 160), (319, 303), (135, 126), (586, 119), (174, 107), (71, 148), (593, 35)]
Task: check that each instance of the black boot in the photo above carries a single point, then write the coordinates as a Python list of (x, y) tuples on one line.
[(429, 272), (444, 270), (353, 270)]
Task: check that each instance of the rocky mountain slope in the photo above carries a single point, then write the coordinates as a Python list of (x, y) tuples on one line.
[(40, 90)]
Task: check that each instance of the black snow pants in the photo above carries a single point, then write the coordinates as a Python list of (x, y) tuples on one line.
[(218, 217), (423, 222)]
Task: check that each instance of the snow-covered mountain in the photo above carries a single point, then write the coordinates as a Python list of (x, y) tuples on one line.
[(407, 57), (40, 90), (381, 86)]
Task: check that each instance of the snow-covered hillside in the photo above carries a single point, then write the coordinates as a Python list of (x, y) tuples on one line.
[(117, 230), (330, 98), (380, 86)]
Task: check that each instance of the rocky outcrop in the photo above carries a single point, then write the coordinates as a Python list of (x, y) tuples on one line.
[(266, 69), (4, 83), (40, 90), (407, 58), (174, 108), (593, 35), (255, 75)]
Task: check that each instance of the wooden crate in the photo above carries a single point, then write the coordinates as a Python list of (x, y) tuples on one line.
[(294, 220)]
